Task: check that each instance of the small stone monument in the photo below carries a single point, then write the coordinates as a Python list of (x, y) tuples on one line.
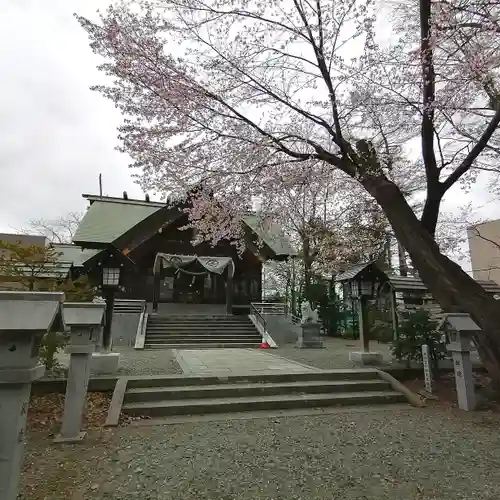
[(460, 329), (25, 317), (310, 328), (85, 320)]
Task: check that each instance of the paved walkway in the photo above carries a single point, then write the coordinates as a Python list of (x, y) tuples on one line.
[(234, 362)]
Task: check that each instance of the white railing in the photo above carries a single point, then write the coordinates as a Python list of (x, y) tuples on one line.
[(270, 308)]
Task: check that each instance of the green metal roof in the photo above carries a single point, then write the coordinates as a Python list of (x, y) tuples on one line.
[(73, 254), (107, 219), (271, 234)]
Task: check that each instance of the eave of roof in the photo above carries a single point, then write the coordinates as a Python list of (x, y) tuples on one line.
[(108, 218)]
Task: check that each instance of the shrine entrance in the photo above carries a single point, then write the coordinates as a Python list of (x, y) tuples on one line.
[(190, 279), (192, 286)]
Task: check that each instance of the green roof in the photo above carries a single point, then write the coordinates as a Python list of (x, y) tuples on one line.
[(73, 254), (108, 218), (271, 234)]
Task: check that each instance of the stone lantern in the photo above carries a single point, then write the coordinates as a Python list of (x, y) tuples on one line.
[(25, 317), (85, 320), (461, 329)]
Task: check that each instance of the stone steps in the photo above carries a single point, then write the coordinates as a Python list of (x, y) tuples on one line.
[(194, 338), (193, 380), (138, 394), (275, 402), (200, 328), (188, 332), (208, 345), (170, 396)]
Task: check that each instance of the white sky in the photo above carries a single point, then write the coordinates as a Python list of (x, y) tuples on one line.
[(57, 135)]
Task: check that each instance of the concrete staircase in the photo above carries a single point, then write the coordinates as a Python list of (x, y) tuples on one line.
[(190, 332), (170, 396), (129, 306)]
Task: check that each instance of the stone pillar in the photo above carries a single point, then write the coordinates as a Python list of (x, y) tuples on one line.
[(462, 364), (365, 356), (85, 320), (76, 394), (24, 318), (460, 329)]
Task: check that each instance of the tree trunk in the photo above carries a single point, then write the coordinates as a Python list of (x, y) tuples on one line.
[(452, 287), (307, 269), (403, 268)]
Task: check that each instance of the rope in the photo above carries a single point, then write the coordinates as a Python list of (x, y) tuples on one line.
[(191, 273)]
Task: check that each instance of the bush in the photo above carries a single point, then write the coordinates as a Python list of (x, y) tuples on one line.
[(416, 330), (350, 333), (78, 290), (51, 343)]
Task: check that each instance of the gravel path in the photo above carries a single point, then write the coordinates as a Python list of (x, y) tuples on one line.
[(140, 362), (381, 454), (334, 355)]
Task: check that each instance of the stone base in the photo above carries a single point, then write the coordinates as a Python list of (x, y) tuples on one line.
[(303, 344), (309, 336), (366, 358), (76, 439), (105, 362)]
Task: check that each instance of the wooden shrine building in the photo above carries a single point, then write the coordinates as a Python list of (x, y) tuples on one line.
[(158, 261)]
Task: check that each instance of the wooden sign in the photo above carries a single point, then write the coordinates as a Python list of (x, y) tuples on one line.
[(427, 368)]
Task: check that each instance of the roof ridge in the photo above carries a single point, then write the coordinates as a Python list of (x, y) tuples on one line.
[(128, 201)]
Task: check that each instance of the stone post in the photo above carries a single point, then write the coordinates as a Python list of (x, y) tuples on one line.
[(85, 320), (24, 319), (365, 356), (461, 328), (104, 361)]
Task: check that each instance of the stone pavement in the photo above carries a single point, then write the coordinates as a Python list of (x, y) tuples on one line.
[(235, 362)]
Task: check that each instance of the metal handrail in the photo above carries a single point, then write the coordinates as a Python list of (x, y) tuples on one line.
[(141, 328), (258, 316), (276, 308)]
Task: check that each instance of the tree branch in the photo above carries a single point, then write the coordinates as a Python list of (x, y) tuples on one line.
[(473, 153)]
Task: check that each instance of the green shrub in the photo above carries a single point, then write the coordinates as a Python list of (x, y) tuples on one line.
[(416, 330), (350, 333), (51, 343)]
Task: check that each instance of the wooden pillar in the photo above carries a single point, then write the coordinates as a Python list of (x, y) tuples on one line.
[(229, 288), (364, 334), (394, 314), (109, 294), (157, 268)]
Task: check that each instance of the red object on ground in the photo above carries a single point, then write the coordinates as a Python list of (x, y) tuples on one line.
[(264, 345)]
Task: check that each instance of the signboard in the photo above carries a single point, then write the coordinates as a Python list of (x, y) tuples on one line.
[(427, 368)]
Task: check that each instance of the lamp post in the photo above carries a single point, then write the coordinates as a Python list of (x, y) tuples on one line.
[(364, 289), (110, 284)]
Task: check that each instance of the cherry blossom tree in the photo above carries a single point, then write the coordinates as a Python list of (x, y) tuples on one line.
[(225, 90), (328, 218)]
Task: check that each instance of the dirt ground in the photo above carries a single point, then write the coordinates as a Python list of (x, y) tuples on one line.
[(45, 412), (444, 393)]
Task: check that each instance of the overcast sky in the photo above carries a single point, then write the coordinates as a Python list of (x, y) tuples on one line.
[(56, 134)]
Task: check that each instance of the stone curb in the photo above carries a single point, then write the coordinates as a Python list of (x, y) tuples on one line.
[(115, 407), (413, 399)]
